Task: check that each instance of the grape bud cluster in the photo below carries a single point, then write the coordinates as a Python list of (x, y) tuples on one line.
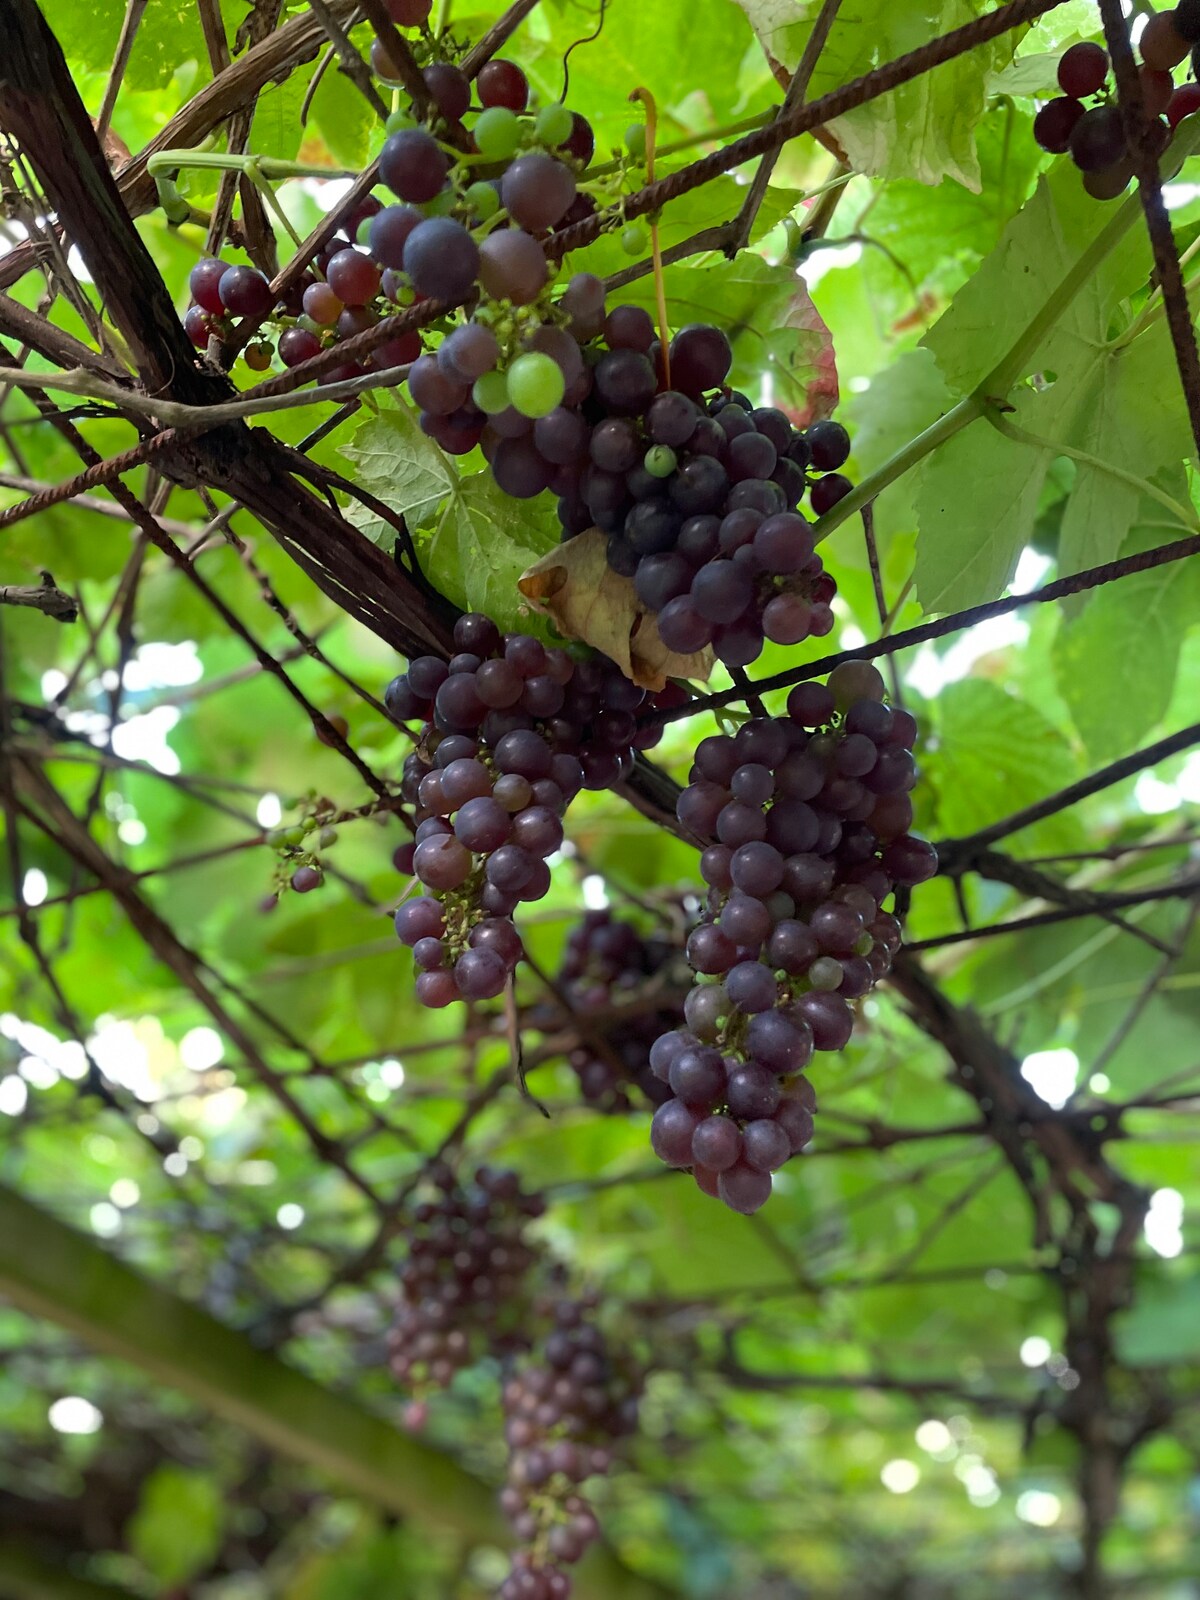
[(512, 730), (565, 1415), (1094, 134), (608, 961), (465, 1290), (809, 815)]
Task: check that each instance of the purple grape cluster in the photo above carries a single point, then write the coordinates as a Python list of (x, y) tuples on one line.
[(465, 1284), (607, 961), (565, 1414), (513, 729), (697, 491), (809, 815)]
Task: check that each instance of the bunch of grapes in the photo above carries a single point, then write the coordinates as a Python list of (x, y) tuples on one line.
[(608, 960), (565, 1413), (512, 731), (465, 1284), (1094, 134), (810, 816)]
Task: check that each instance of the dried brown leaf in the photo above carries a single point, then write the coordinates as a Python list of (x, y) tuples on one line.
[(585, 599)]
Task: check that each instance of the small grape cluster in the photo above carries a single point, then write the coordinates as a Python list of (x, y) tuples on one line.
[(512, 731), (299, 845), (810, 814), (1094, 135), (466, 1283), (565, 1414), (607, 960)]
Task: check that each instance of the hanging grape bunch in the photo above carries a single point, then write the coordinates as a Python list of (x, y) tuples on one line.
[(1094, 134), (608, 961), (465, 1283), (512, 730), (566, 1413), (810, 815)]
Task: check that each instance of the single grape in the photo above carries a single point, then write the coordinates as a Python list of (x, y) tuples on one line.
[(413, 165), (536, 190), (535, 384), (497, 133), (442, 259), (827, 491), (1083, 69), (449, 89), (744, 1189), (629, 328), (1055, 123), (701, 357), (1185, 102), (204, 281), (197, 324), (1098, 139), (297, 345), (512, 266), (409, 13), (245, 292), (635, 240), (1161, 44), (553, 125)]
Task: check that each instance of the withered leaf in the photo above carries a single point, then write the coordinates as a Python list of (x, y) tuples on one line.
[(576, 588)]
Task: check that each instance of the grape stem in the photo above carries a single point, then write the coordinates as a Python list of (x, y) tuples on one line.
[(995, 385), (660, 291), (164, 162)]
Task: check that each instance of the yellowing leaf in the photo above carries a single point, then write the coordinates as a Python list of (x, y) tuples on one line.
[(575, 586)]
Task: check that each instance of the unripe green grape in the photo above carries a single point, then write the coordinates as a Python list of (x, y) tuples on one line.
[(635, 241), (497, 133), (535, 384), (483, 200), (295, 834), (660, 460), (399, 120), (327, 837), (864, 944), (635, 140), (554, 125), (825, 973), (490, 393), (442, 204)]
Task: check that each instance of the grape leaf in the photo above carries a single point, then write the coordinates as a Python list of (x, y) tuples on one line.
[(924, 129), (484, 540), (401, 466), (774, 327), (996, 753), (344, 119), (976, 501), (1115, 661)]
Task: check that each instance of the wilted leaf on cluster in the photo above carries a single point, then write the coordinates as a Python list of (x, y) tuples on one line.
[(587, 600)]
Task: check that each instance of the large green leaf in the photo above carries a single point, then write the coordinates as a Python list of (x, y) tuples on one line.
[(995, 754), (924, 129), (483, 542)]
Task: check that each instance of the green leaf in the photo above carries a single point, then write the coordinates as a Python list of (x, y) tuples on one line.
[(277, 129), (179, 1524), (483, 542), (924, 129), (899, 403), (976, 501), (401, 466), (772, 323), (995, 754), (343, 118), (1115, 661)]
